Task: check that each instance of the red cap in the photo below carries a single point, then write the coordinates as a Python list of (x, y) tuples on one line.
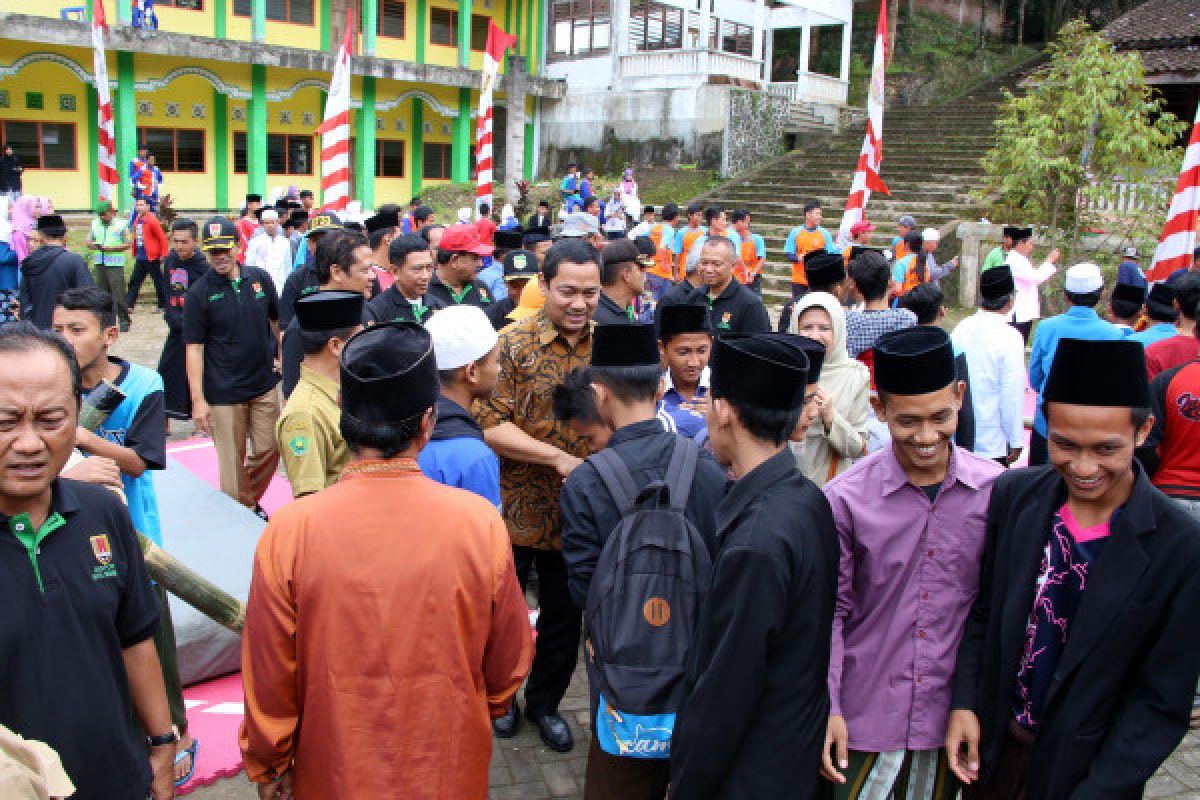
[(464, 239), (861, 227)]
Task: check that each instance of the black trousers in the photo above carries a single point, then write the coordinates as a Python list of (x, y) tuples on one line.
[(610, 777), (1039, 451), (1025, 328), (141, 268), (558, 627)]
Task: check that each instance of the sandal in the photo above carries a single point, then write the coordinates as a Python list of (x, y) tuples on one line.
[(181, 755)]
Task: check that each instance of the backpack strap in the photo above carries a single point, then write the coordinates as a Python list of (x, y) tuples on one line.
[(617, 479), (681, 472)]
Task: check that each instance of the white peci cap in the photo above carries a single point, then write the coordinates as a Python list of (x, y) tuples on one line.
[(1084, 278), (461, 335), (931, 235)]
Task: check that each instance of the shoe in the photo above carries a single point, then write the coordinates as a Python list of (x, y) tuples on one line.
[(261, 513), (506, 727), (555, 732)]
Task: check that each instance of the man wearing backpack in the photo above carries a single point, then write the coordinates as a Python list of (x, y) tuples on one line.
[(598, 524), (754, 721)]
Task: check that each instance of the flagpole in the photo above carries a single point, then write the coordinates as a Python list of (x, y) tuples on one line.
[(106, 140)]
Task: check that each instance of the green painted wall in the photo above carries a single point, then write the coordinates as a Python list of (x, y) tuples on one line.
[(258, 20), (219, 17), (370, 23), (464, 33), (125, 117), (422, 26), (364, 154), (326, 25), (256, 132), (221, 163), (529, 127)]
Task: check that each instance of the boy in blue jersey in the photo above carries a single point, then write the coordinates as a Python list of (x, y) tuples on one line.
[(465, 346), (134, 437)]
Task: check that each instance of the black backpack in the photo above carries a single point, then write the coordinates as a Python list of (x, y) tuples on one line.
[(642, 605)]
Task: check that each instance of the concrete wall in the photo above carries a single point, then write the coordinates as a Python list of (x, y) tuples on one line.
[(754, 131), (606, 130)]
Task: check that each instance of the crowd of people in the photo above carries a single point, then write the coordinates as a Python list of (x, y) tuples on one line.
[(797, 560)]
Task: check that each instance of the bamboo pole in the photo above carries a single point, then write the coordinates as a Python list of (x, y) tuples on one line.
[(193, 588)]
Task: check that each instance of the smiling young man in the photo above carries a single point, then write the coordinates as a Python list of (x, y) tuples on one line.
[(79, 615), (407, 299), (1078, 666), (685, 342), (910, 518)]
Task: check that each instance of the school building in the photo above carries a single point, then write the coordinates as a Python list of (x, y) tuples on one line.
[(227, 94)]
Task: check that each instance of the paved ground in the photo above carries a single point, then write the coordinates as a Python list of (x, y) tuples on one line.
[(522, 768)]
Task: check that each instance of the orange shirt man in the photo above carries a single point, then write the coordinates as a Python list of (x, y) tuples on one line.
[(375, 654), (804, 239)]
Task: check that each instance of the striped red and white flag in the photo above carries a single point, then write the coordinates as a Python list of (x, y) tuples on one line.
[(866, 174), (497, 42), (1179, 237), (334, 130), (106, 150)]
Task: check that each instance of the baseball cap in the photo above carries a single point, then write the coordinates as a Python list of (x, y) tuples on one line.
[(219, 233), (520, 264), (461, 335), (460, 238), (323, 222), (861, 227), (579, 223), (1084, 278)]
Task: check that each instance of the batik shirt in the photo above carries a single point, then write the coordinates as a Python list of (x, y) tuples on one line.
[(1068, 557)]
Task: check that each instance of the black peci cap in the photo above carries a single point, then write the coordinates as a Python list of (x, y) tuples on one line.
[(1098, 373), (824, 269), (389, 373), (996, 282), (329, 311), (624, 346), (914, 361), (765, 370), (520, 264)]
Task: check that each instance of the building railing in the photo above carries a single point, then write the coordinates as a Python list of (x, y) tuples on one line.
[(817, 88), (689, 62)]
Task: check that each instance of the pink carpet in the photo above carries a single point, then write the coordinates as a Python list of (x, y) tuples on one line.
[(200, 457), (214, 716)]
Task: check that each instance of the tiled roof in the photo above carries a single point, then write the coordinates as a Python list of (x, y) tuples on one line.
[(1172, 59), (1157, 23)]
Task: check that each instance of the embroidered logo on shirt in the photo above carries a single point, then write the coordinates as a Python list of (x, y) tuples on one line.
[(212, 298), (258, 290), (103, 553), (298, 445), (724, 323), (1189, 406)]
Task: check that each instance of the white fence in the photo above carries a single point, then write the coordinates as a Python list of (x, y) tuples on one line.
[(689, 62)]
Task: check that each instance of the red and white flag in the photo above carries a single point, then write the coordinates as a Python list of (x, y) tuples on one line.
[(1178, 243), (106, 152), (497, 42), (335, 130), (866, 174)]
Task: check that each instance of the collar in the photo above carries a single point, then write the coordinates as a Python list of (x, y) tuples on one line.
[(894, 477), (726, 293), (1137, 514), (613, 305), (635, 430), (754, 484), (547, 332), (122, 375), (669, 385), (1081, 312), (327, 387), (63, 498)]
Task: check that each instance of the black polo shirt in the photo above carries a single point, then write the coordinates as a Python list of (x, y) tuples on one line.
[(608, 312), (300, 283), (64, 626), (473, 294), (234, 325), (497, 313), (391, 305), (737, 310)]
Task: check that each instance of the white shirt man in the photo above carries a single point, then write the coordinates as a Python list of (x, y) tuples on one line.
[(1027, 305), (271, 250), (995, 355)]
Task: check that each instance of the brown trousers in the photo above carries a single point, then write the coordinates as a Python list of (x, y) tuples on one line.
[(610, 777), (245, 477)]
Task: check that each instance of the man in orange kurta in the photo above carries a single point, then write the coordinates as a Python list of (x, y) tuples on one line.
[(380, 643)]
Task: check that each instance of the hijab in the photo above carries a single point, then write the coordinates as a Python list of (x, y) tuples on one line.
[(24, 214), (840, 374)]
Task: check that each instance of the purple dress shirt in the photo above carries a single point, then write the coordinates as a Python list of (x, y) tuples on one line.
[(909, 572)]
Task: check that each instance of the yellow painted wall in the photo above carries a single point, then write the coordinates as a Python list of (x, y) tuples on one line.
[(180, 20), (189, 189), (67, 188)]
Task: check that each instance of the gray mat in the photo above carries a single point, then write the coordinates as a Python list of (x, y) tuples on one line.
[(215, 536)]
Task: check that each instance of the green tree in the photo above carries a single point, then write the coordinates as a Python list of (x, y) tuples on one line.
[(1088, 128)]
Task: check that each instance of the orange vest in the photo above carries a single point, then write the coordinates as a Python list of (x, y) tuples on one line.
[(806, 242), (911, 279), (749, 265), (689, 238), (662, 254)]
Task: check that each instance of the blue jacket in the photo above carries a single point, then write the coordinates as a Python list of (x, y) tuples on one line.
[(457, 455), (1079, 322), (1129, 272)]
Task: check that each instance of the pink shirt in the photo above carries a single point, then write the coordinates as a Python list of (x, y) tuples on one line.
[(908, 575)]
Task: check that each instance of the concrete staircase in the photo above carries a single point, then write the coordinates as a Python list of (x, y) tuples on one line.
[(931, 163)]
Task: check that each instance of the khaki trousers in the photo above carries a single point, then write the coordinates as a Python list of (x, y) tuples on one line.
[(245, 477)]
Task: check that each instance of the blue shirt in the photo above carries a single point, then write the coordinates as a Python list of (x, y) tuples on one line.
[(1130, 273), (492, 276), (1079, 322), (680, 420), (1155, 333), (457, 455)]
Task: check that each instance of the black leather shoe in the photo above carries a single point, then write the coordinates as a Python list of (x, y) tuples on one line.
[(506, 727), (555, 732)]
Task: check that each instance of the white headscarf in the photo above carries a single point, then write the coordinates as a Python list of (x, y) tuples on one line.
[(464, 216), (507, 212)]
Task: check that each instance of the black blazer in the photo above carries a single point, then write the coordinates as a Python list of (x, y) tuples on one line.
[(1122, 693)]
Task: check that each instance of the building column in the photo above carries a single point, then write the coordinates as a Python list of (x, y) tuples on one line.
[(221, 165), (124, 12), (619, 35), (256, 132), (530, 149), (517, 82), (422, 26), (536, 25), (418, 146), (460, 149), (370, 26), (93, 115), (757, 43), (258, 20), (327, 25), (125, 116), (364, 153), (844, 72), (464, 33), (219, 17), (805, 44)]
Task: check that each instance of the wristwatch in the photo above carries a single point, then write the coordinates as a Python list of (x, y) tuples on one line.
[(163, 739)]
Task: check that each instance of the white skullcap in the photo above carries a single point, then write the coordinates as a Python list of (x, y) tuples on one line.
[(464, 216), (931, 235), (1084, 278), (461, 335), (270, 215)]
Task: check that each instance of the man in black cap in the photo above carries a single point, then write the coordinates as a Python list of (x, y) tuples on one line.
[(760, 653), (997, 255), (298, 221), (732, 308), (541, 218), (919, 502), (1161, 315), (381, 230), (520, 267), (1078, 665), (407, 299), (304, 279), (995, 356), (343, 264), (685, 343), (626, 375), (310, 441), (231, 332), (49, 271), (623, 279), (538, 241), (1125, 306), (492, 275), (382, 649)]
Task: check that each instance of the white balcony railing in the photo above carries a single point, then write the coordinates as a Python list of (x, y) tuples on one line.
[(664, 63), (814, 88)]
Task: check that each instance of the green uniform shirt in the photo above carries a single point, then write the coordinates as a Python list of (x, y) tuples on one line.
[(110, 235), (994, 259), (310, 441)]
